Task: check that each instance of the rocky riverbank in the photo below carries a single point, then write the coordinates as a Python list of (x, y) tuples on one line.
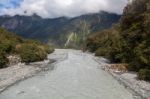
[(75, 76), (16, 73), (20, 71), (128, 79)]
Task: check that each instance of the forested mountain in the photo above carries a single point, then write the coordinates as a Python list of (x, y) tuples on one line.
[(59, 30), (129, 40)]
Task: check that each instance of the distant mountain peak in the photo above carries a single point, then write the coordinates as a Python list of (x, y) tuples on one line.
[(36, 16), (58, 29)]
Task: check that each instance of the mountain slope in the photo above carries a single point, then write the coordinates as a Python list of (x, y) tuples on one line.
[(58, 29)]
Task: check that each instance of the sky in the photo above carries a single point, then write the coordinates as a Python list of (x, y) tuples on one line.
[(58, 8)]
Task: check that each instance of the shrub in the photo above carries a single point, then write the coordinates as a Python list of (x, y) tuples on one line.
[(31, 53), (144, 74), (29, 50), (101, 52), (6, 46), (48, 49), (128, 42), (3, 60)]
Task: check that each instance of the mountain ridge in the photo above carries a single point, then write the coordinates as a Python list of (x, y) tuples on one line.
[(56, 29)]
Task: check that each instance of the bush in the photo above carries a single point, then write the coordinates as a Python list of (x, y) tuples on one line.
[(3, 60), (129, 41), (32, 53), (6, 46), (29, 50), (101, 52), (48, 49), (144, 74)]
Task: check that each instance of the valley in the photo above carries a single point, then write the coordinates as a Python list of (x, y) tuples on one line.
[(75, 49)]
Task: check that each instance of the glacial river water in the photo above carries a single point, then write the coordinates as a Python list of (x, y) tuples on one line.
[(76, 76)]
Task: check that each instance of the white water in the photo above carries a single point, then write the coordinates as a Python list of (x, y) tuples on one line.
[(76, 77)]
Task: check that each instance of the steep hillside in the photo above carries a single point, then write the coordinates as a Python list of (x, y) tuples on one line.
[(127, 42), (57, 30), (27, 50)]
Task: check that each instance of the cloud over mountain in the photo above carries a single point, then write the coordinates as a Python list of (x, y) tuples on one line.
[(58, 8)]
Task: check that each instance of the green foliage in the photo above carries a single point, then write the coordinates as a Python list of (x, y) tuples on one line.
[(129, 42), (49, 49), (32, 53), (3, 60), (6, 46), (101, 52), (144, 74), (137, 33), (107, 43), (29, 50)]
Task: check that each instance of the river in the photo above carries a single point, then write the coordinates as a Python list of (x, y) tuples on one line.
[(75, 76)]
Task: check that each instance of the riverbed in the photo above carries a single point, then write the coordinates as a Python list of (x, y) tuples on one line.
[(76, 75)]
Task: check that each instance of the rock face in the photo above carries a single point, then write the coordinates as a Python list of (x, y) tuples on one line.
[(11, 24), (14, 60)]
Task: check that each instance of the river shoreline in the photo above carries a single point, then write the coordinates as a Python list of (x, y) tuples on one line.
[(19, 72), (14, 74), (140, 89), (75, 74)]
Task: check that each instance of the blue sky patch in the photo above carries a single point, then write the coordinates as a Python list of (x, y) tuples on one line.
[(9, 4)]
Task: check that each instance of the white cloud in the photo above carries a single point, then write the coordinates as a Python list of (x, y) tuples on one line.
[(70, 8)]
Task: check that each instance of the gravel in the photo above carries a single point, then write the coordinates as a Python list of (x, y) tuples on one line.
[(76, 75), (128, 79), (19, 72)]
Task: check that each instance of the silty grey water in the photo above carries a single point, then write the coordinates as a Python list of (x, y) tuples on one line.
[(77, 76)]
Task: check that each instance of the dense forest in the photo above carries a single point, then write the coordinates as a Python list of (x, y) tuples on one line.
[(28, 50), (128, 41)]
